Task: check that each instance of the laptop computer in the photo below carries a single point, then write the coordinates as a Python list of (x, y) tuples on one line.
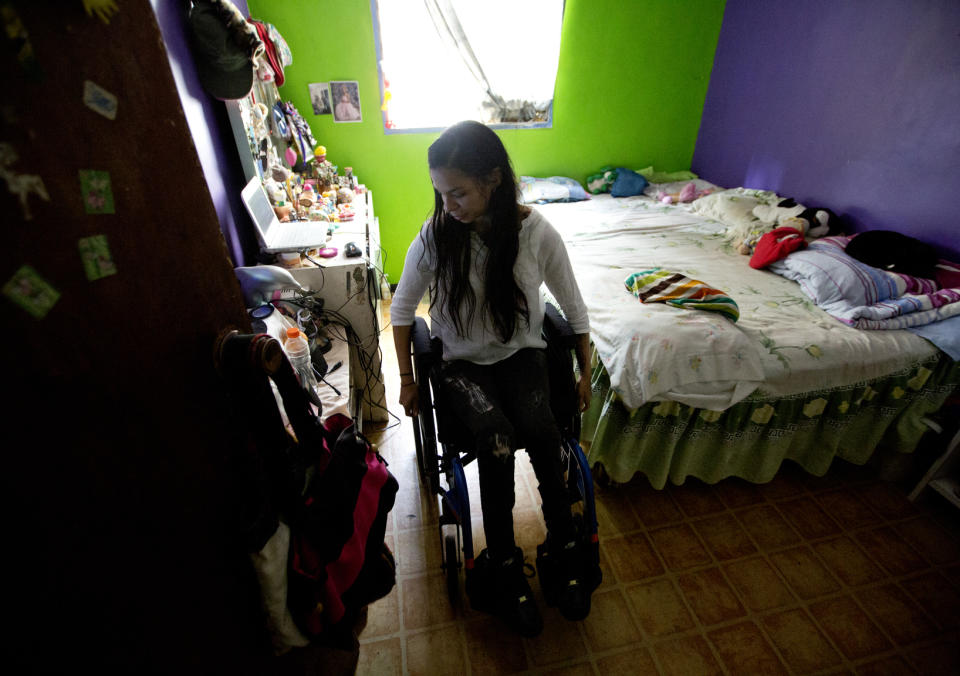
[(274, 236)]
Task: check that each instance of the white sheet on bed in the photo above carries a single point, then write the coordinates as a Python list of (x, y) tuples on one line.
[(782, 343)]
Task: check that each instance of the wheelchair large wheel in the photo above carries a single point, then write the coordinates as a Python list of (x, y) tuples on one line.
[(418, 444), (425, 429), (425, 437)]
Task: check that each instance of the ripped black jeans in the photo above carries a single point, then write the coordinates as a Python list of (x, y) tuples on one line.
[(503, 405)]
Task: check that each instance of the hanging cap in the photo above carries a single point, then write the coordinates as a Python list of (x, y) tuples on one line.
[(226, 48)]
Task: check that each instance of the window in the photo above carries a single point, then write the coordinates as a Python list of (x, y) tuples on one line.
[(442, 61)]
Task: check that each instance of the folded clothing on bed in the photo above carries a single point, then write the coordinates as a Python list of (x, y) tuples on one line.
[(866, 297), (659, 285)]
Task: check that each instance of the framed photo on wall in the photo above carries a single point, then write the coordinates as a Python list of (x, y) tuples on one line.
[(345, 97), (320, 98)]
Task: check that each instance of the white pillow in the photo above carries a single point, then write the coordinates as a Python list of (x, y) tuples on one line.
[(553, 189)]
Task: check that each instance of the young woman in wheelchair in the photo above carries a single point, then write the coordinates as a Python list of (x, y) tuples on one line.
[(484, 256)]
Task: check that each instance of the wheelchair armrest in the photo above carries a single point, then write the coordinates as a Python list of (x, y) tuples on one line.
[(556, 328), (420, 337)]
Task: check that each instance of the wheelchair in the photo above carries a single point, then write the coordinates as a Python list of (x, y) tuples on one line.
[(443, 449)]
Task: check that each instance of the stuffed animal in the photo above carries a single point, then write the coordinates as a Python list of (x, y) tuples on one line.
[(688, 193), (274, 190), (750, 239), (819, 221), (812, 222), (602, 181)]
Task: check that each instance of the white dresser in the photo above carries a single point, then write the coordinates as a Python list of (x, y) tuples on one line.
[(350, 288)]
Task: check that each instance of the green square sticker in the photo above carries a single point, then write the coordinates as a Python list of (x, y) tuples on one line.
[(95, 253), (31, 292), (96, 191)]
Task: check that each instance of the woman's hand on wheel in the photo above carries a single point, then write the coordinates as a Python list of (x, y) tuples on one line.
[(584, 394), (410, 399)]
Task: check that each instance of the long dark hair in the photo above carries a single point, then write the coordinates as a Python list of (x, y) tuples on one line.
[(477, 151)]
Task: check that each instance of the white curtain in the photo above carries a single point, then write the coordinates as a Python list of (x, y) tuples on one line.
[(447, 60)]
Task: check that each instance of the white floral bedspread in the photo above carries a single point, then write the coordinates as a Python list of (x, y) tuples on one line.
[(782, 344)]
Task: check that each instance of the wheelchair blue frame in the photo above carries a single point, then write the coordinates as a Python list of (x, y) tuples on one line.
[(443, 473)]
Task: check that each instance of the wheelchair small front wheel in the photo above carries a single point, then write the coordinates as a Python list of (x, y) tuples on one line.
[(451, 562)]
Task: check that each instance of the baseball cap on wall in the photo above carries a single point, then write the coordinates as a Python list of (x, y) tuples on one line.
[(225, 48)]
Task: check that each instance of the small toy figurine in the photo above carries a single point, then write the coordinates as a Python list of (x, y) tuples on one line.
[(258, 117), (307, 196), (324, 171), (351, 179)]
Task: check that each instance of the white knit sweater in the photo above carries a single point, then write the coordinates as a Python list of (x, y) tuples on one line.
[(542, 259)]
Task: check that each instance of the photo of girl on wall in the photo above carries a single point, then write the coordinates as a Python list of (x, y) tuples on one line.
[(346, 101)]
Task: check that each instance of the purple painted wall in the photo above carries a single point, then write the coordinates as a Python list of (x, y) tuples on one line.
[(210, 128), (851, 105)]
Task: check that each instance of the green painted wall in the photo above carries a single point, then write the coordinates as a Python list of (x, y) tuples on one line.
[(630, 89)]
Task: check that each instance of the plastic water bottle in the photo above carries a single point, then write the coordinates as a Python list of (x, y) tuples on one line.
[(298, 352)]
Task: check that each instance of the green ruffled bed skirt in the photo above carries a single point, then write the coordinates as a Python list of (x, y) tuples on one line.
[(668, 440)]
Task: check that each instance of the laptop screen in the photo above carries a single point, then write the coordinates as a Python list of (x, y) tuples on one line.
[(258, 205)]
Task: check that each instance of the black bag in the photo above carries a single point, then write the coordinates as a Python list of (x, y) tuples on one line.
[(895, 252)]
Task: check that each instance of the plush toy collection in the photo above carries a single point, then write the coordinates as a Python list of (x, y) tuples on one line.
[(817, 222), (787, 213)]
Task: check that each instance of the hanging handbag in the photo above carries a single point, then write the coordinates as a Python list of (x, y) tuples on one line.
[(328, 485)]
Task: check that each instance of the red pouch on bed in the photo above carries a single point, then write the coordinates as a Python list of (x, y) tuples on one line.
[(776, 244), (948, 274)]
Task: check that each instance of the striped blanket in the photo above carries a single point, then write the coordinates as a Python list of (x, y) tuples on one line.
[(659, 285), (862, 296)]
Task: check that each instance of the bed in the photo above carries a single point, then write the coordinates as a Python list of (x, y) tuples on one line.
[(684, 393)]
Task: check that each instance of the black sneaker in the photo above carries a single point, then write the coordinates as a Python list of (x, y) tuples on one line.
[(480, 584), (501, 588), (564, 579), (517, 605)]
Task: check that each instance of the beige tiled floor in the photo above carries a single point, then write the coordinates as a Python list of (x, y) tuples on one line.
[(840, 574)]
